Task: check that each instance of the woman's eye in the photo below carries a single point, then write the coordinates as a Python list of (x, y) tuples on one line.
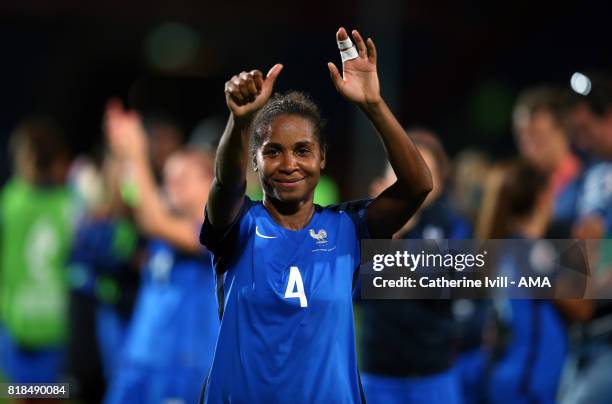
[(271, 153), (303, 152)]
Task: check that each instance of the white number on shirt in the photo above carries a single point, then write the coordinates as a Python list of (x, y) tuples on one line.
[(295, 287)]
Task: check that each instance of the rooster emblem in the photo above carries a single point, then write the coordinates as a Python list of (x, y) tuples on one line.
[(320, 236)]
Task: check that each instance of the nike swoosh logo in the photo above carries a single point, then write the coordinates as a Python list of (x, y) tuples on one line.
[(261, 235)]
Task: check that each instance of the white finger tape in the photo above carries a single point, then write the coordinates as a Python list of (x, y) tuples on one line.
[(349, 54), (344, 44)]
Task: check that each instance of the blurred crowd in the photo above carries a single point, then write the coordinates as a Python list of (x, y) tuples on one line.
[(103, 282)]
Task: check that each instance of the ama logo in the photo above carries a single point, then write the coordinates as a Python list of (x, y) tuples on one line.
[(536, 282)]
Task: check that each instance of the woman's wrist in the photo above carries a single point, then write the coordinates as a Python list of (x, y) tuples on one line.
[(373, 106), (242, 122)]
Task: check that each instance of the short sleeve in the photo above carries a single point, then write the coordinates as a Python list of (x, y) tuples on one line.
[(222, 241), (357, 211)]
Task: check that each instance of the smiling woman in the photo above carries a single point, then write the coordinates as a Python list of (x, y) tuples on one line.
[(286, 267), (287, 147)]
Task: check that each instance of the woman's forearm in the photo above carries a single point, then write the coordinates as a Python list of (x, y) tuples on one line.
[(409, 167), (153, 214), (229, 183), (150, 208), (232, 155)]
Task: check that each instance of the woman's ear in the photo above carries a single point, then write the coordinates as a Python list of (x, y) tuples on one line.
[(254, 161)]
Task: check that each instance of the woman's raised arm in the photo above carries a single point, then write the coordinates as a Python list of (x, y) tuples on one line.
[(359, 84), (245, 94)]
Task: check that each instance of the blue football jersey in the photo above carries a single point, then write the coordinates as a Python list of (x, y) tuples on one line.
[(175, 321), (287, 332), (171, 340)]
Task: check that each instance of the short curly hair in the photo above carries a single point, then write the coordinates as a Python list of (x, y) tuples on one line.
[(291, 103)]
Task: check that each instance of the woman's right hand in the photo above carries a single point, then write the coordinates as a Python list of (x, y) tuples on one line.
[(247, 92)]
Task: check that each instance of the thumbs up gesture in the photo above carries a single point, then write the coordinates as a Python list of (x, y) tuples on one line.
[(247, 92)]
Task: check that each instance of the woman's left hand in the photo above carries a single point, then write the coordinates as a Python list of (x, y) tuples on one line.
[(359, 80)]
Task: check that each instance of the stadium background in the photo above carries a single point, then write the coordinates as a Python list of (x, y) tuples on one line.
[(455, 68)]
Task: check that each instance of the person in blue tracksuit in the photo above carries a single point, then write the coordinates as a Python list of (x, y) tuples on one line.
[(286, 267)]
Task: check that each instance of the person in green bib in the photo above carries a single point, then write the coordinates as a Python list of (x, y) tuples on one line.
[(36, 232)]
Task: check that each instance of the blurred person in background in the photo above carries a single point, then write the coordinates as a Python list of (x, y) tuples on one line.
[(470, 168), (109, 250), (531, 339), (104, 276), (591, 118), (407, 346), (174, 328), (586, 113), (581, 123), (165, 138), (436, 218), (542, 138), (37, 230), (594, 207)]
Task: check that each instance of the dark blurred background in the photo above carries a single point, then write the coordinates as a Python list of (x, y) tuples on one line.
[(455, 68)]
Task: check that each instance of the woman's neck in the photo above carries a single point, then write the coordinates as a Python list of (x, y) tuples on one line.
[(290, 215)]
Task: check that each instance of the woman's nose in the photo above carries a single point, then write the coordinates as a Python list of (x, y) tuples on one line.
[(289, 162)]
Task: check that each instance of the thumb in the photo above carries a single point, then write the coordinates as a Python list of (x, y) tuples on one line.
[(272, 76), (335, 75)]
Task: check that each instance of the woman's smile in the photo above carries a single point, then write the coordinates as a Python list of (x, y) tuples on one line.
[(288, 182)]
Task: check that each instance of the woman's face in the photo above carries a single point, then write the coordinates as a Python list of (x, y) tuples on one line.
[(289, 161), (186, 182), (542, 141)]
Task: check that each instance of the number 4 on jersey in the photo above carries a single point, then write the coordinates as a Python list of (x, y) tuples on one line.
[(295, 287)]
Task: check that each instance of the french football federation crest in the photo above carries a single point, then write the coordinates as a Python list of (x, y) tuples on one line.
[(320, 236)]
